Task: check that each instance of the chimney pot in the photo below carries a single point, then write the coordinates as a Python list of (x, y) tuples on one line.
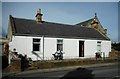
[(39, 16)]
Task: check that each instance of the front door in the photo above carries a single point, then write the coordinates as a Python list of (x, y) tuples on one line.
[(81, 48)]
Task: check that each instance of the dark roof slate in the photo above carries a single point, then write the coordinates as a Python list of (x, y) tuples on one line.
[(49, 29)]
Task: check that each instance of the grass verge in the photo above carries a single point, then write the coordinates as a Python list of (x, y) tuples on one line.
[(69, 62)]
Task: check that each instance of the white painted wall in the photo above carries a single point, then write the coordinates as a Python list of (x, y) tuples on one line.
[(90, 48), (106, 47), (71, 48), (50, 47), (23, 44)]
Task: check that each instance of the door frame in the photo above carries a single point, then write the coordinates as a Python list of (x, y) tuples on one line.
[(81, 48)]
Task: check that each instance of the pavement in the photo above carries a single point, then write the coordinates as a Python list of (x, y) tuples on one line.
[(56, 69)]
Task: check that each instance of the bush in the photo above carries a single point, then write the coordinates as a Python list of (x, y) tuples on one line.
[(116, 46)]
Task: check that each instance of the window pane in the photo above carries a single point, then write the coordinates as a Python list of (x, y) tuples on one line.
[(60, 47), (36, 44), (99, 46), (35, 47), (59, 41), (36, 40)]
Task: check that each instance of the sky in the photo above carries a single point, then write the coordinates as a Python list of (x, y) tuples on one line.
[(60, 0), (64, 12)]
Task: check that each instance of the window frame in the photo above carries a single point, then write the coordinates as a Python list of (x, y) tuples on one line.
[(99, 46), (60, 44), (36, 43)]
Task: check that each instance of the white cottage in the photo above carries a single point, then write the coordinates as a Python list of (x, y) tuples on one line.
[(82, 40)]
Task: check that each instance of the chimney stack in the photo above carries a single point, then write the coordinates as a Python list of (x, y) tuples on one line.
[(39, 16)]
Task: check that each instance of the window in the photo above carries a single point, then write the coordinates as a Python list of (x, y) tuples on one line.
[(60, 45), (98, 46), (36, 44)]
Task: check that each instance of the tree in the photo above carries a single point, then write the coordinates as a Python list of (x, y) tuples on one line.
[(116, 46)]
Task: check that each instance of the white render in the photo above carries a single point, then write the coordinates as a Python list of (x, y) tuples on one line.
[(48, 46)]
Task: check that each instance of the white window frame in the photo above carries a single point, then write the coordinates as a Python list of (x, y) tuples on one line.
[(59, 43), (39, 43), (98, 46)]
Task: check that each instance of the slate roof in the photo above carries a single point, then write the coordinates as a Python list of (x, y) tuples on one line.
[(29, 27), (85, 23)]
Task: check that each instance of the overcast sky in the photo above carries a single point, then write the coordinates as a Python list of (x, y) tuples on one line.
[(65, 13)]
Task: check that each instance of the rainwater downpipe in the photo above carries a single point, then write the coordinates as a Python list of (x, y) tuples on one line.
[(43, 47)]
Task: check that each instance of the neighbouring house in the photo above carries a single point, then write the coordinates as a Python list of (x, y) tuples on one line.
[(40, 39)]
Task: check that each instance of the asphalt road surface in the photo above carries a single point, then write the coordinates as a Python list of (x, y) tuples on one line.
[(98, 72)]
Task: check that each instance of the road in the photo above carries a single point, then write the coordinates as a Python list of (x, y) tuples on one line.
[(104, 72)]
